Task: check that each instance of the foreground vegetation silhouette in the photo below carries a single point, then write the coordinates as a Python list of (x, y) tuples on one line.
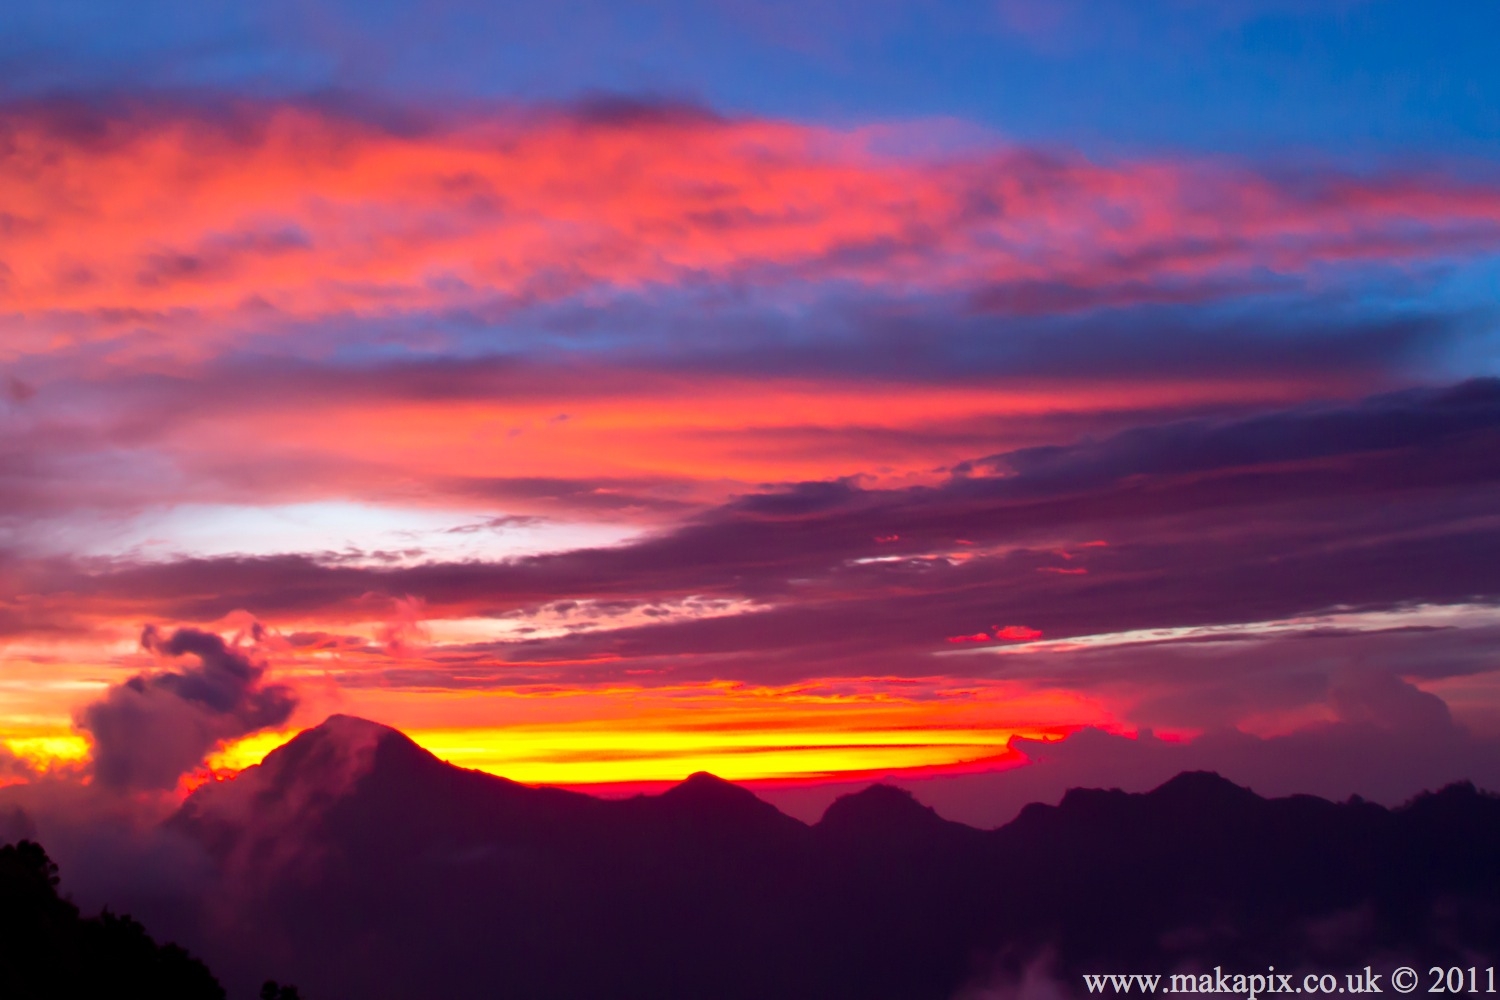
[(48, 951)]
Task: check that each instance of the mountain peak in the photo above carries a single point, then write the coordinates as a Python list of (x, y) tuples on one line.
[(707, 798), (303, 775), (341, 726), (879, 798), (340, 744), (705, 779), (700, 786), (1207, 786), (880, 811)]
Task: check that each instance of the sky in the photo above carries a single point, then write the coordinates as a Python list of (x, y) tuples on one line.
[(984, 396)]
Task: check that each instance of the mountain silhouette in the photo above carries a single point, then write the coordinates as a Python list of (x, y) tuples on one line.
[(368, 868)]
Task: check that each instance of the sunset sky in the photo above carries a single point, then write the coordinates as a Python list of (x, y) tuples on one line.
[(803, 392)]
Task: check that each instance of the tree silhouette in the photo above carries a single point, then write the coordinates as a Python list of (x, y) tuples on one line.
[(271, 990), (49, 952)]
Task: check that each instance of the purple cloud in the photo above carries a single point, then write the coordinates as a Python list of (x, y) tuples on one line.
[(155, 727)]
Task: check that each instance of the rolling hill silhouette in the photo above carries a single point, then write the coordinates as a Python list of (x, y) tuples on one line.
[(365, 867)]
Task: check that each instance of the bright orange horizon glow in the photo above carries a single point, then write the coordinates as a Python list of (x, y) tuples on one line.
[(601, 735), (620, 737), (580, 758)]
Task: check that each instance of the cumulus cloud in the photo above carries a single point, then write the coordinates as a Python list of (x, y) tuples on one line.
[(404, 631), (155, 727), (12, 767)]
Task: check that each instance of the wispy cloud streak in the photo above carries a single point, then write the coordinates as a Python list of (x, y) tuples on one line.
[(192, 225)]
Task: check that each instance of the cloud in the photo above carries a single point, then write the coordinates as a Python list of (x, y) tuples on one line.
[(1386, 423), (273, 430), (12, 768), (285, 214), (18, 391), (1372, 504), (155, 727), (1260, 575), (1381, 738), (1333, 760), (333, 301)]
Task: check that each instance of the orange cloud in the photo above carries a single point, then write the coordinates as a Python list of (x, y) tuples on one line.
[(709, 429), (201, 225)]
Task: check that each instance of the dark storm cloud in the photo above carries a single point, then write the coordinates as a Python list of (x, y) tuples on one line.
[(155, 727)]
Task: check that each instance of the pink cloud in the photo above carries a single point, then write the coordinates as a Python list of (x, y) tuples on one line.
[(298, 214)]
